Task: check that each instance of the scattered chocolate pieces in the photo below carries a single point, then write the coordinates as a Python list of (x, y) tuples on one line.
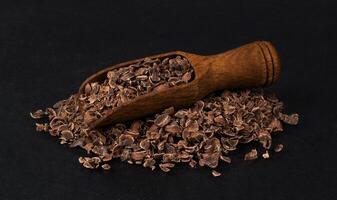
[(200, 135), (90, 163)]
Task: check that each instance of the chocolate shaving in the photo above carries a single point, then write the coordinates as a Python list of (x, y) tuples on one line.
[(278, 148), (37, 114), (106, 166), (216, 173), (265, 155), (252, 155)]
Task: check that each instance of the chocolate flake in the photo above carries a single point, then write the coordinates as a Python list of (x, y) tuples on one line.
[(166, 167), (37, 114), (41, 127), (162, 120), (90, 163), (226, 159), (216, 173), (290, 119), (278, 148), (106, 167), (252, 155), (265, 155)]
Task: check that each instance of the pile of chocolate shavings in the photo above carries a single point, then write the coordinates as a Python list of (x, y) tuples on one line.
[(201, 135), (126, 83)]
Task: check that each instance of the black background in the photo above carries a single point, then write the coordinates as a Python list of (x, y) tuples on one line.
[(48, 48)]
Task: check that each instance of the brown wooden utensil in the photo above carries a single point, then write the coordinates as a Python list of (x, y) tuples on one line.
[(252, 65)]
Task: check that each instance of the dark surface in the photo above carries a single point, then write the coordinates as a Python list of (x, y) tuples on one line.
[(47, 50)]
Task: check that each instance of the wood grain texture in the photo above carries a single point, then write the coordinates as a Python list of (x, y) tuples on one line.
[(253, 65)]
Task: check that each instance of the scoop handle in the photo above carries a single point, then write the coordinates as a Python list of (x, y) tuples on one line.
[(255, 64)]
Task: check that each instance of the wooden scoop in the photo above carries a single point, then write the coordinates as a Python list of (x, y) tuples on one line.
[(253, 65)]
